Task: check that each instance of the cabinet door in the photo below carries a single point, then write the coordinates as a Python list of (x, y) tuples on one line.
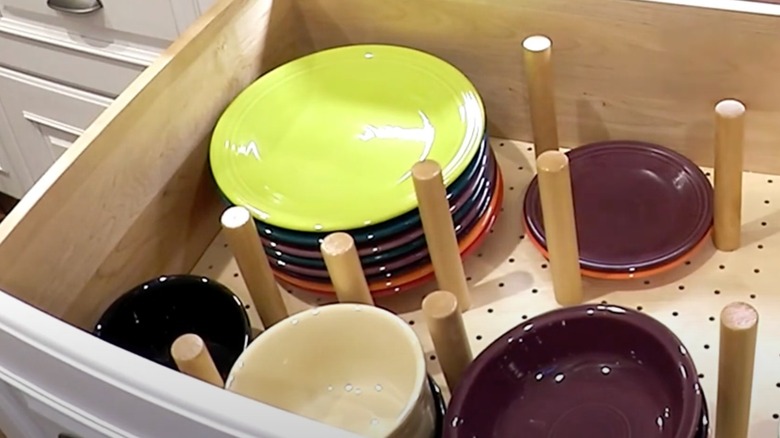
[(45, 117)]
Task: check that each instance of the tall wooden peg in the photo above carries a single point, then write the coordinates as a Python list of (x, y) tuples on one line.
[(537, 50), (193, 358), (448, 333), (738, 332), (244, 242), (440, 231), (729, 138), (346, 272), (559, 226)]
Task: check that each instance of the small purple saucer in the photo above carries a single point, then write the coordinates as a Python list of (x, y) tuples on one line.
[(637, 205), (582, 371)]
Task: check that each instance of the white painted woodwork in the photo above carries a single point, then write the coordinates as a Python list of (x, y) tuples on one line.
[(151, 22), (57, 67), (45, 117), (52, 54)]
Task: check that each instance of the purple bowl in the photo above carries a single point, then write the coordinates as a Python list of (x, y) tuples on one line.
[(583, 371)]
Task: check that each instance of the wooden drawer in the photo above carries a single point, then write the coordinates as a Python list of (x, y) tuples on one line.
[(135, 195), (44, 117), (657, 85)]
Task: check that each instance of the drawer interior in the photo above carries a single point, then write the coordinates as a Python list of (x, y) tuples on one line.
[(132, 198), (134, 190)]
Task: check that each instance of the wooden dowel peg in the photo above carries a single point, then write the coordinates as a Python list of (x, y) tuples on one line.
[(445, 324), (346, 272), (244, 242), (440, 231), (537, 51), (559, 226), (729, 158), (738, 331), (193, 358)]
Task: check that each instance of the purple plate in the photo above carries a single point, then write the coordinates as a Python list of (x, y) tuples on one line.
[(582, 371), (637, 205)]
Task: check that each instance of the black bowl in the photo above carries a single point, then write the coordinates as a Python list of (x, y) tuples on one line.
[(148, 319)]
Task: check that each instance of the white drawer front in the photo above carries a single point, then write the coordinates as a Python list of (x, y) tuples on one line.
[(154, 19), (45, 117), (58, 422)]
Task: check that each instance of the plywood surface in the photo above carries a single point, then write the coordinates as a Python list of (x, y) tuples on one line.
[(510, 282)]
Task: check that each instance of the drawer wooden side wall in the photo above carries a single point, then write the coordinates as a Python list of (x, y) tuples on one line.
[(132, 197)]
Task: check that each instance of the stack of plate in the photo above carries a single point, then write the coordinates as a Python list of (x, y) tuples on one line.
[(326, 143), (640, 208)]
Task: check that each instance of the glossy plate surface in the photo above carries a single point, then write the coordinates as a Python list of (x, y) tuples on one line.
[(637, 205), (313, 144), (559, 376)]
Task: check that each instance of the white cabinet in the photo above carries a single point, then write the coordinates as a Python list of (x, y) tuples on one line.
[(45, 117), (60, 68), (57, 379)]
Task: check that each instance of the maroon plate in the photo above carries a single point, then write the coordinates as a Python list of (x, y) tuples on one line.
[(557, 375), (637, 205)]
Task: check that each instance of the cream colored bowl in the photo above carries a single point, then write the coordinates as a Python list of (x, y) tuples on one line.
[(353, 366)]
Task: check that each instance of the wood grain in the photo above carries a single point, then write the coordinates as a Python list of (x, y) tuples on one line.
[(737, 356), (623, 68), (132, 198)]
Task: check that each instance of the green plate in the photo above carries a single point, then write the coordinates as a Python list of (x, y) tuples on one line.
[(326, 142)]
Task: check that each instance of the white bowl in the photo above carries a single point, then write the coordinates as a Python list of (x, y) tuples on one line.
[(353, 366)]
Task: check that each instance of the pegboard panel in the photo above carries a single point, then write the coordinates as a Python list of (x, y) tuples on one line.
[(510, 282)]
